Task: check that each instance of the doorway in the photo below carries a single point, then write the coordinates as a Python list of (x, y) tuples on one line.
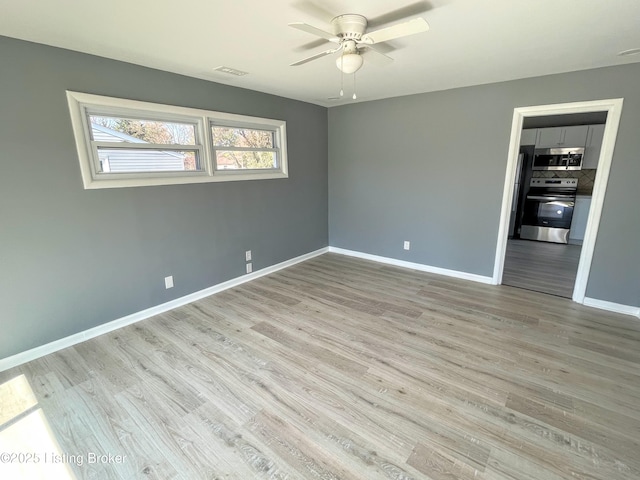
[(552, 200), (612, 108)]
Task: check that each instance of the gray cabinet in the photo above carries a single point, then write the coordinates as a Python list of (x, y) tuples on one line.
[(579, 219), (528, 136), (575, 136), (592, 148)]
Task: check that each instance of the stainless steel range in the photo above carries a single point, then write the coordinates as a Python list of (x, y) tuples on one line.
[(548, 209)]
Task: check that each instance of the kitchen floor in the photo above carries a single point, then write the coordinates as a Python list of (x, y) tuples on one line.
[(541, 266)]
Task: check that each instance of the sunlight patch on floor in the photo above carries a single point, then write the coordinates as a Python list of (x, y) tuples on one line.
[(28, 447), (16, 397)]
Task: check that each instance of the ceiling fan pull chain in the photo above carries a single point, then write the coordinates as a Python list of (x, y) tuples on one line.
[(354, 86), (341, 75)]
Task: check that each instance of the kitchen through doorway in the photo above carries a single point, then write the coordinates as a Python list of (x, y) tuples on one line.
[(557, 171), (554, 183)]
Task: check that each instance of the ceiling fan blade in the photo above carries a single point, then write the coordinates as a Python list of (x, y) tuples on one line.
[(417, 25), (412, 10), (317, 55), (374, 56), (305, 27), (312, 45)]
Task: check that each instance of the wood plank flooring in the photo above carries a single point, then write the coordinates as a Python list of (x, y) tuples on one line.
[(339, 368), (541, 266)]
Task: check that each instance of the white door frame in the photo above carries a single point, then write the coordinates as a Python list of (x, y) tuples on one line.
[(613, 107)]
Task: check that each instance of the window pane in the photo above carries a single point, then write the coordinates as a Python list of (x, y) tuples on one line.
[(235, 160), (123, 160), (242, 137), (120, 129)]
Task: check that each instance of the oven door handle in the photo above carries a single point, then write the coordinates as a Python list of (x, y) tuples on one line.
[(551, 199)]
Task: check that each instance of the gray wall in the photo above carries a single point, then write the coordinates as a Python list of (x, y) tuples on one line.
[(430, 168), (72, 259)]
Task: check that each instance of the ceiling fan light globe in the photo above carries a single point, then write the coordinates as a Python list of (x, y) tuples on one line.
[(349, 63)]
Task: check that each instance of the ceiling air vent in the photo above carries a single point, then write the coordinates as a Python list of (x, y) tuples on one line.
[(230, 71)]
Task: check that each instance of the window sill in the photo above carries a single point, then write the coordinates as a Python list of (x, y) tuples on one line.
[(98, 183)]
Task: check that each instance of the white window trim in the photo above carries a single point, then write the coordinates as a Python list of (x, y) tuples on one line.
[(79, 103)]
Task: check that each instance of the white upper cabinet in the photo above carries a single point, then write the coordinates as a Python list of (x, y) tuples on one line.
[(592, 148), (575, 136), (549, 137), (528, 136)]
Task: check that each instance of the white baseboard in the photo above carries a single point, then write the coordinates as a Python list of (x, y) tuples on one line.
[(414, 266), (41, 351), (612, 307)]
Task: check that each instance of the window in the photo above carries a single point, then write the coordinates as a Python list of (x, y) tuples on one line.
[(126, 143), (142, 145), (240, 148)]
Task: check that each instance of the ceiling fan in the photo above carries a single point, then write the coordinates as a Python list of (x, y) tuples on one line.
[(349, 32)]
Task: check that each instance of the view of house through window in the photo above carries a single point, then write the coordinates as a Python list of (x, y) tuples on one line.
[(147, 135)]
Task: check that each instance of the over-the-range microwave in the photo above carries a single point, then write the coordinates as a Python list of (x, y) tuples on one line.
[(558, 158)]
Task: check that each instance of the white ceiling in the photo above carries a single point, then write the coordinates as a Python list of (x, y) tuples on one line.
[(471, 42)]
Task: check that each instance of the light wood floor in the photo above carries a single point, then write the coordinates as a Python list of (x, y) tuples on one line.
[(541, 266), (340, 368)]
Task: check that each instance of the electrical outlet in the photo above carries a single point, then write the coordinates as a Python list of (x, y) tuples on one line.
[(407, 245), (247, 255), (249, 268), (168, 282)]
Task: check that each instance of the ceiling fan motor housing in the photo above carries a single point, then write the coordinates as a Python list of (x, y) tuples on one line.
[(349, 26)]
